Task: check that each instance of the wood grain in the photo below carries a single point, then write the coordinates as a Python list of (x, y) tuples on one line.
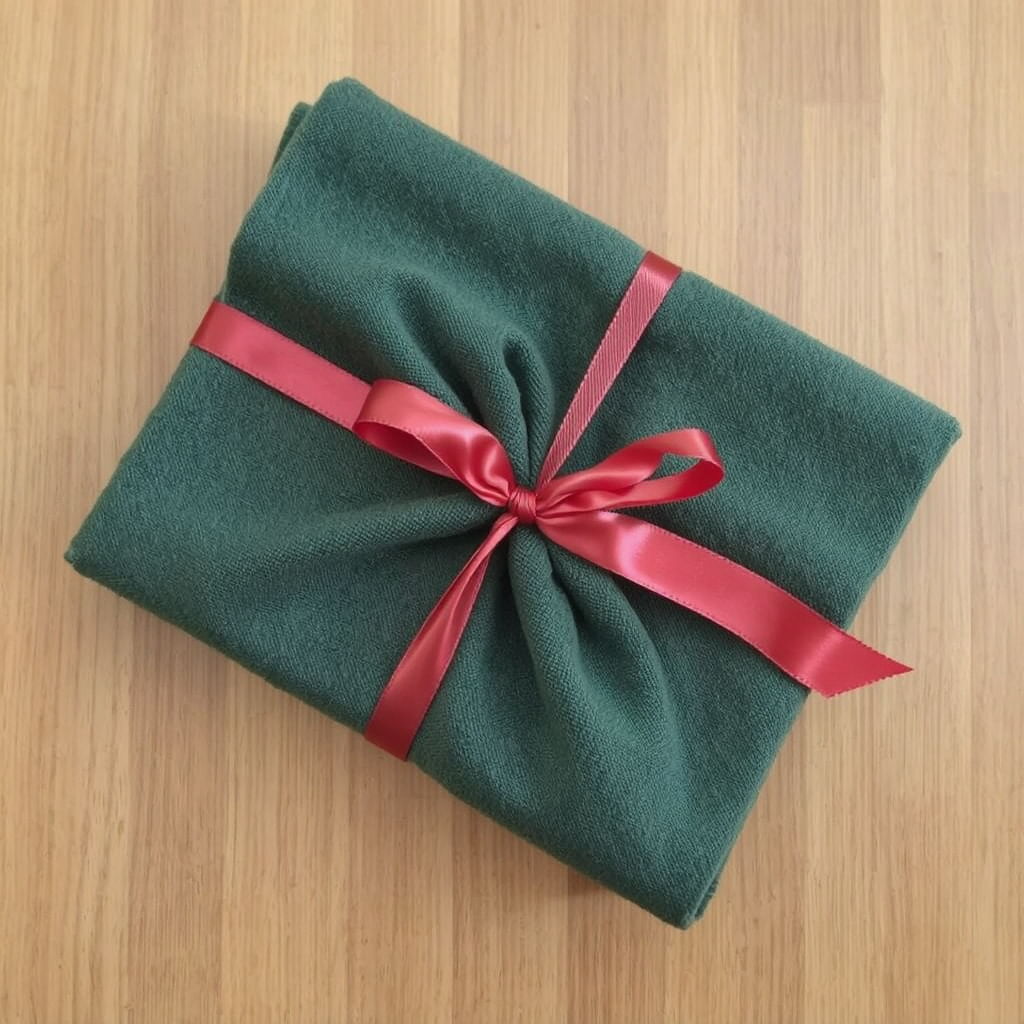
[(180, 842)]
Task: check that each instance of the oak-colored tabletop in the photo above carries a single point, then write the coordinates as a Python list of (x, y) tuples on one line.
[(181, 842)]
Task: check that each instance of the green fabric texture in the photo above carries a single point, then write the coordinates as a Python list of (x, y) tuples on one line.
[(624, 735)]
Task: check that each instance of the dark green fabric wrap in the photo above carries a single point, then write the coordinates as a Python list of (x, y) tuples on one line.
[(624, 735)]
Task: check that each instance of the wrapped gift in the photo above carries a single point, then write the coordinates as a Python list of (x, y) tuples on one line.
[(470, 472)]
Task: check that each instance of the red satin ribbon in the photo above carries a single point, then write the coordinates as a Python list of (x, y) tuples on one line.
[(576, 510)]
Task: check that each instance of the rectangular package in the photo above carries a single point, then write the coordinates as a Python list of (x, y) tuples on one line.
[(621, 733)]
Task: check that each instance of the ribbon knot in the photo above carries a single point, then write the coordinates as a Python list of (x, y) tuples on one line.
[(522, 503), (576, 511)]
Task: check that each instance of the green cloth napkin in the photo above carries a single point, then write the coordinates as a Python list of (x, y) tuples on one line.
[(624, 735)]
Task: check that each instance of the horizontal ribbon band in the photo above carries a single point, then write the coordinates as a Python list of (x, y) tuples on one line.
[(578, 511)]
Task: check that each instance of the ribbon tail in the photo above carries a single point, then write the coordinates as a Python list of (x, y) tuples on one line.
[(405, 700), (796, 638)]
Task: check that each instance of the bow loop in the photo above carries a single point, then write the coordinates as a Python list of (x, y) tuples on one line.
[(624, 480), (414, 426)]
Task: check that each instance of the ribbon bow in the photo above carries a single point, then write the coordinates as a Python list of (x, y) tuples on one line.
[(576, 510)]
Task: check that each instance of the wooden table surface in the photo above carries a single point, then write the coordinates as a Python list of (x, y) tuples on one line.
[(180, 842)]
